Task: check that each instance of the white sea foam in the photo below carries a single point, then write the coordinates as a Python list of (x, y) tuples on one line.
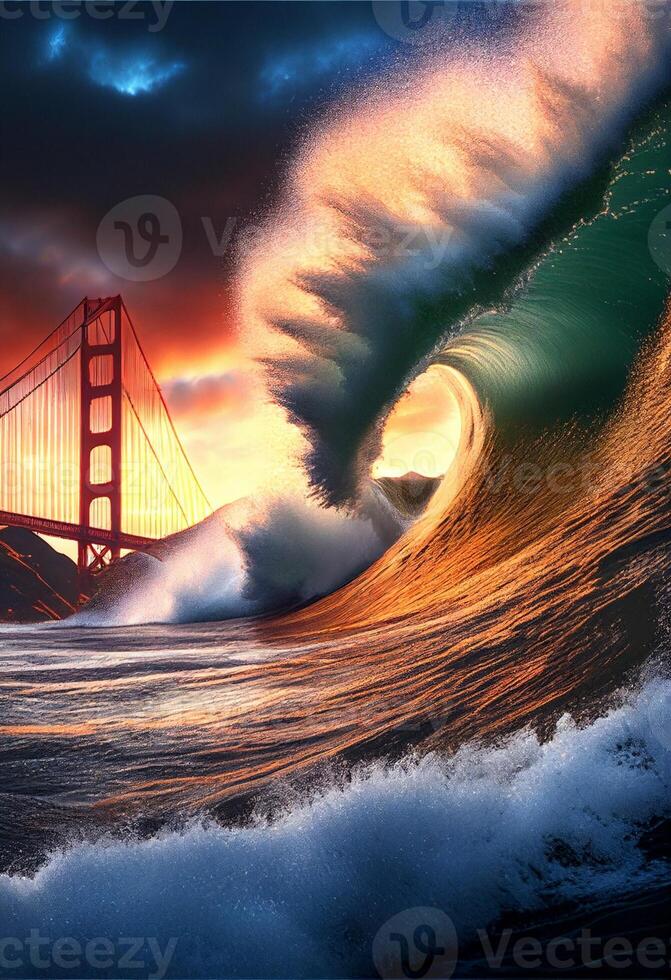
[(284, 551), (303, 896)]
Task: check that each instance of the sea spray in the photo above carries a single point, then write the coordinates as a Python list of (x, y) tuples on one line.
[(524, 824), (396, 208)]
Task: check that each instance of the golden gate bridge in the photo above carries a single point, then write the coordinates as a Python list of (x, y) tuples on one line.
[(88, 450)]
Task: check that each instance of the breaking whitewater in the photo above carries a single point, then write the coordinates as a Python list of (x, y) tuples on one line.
[(376, 738)]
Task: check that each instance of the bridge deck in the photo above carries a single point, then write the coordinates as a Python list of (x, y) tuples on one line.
[(74, 532), (87, 395)]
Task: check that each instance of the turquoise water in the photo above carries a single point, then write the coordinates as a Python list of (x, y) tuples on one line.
[(564, 344)]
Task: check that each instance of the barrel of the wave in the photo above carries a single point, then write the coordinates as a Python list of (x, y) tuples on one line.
[(425, 200)]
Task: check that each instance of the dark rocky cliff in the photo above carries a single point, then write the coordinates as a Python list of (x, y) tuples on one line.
[(37, 583)]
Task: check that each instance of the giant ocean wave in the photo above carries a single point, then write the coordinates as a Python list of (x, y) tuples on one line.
[(405, 216), (490, 650), (485, 209)]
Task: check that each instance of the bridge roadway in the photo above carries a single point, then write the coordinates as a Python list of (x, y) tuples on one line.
[(75, 532)]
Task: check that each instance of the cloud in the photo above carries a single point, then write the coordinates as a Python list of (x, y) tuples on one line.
[(128, 73), (42, 245), (302, 67), (131, 75), (56, 43), (230, 392)]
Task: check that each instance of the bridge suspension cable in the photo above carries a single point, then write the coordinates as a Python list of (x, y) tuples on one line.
[(87, 446)]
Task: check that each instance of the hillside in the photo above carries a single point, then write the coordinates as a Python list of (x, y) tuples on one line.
[(409, 493), (37, 583)]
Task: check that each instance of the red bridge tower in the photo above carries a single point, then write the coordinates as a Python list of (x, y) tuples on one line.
[(101, 433)]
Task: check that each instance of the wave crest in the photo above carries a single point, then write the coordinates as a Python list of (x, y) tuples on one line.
[(393, 208)]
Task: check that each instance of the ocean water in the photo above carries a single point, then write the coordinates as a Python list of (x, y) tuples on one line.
[(143, 796), (466, 727)]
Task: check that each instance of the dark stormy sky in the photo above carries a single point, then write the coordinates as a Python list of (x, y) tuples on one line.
[(203, 110), (199, 103)]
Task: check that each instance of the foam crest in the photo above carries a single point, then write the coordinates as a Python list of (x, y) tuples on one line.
[(199, 577), (393, 206), (248, 559)]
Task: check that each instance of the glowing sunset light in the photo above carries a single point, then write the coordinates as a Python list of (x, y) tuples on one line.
[(422, 433)]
